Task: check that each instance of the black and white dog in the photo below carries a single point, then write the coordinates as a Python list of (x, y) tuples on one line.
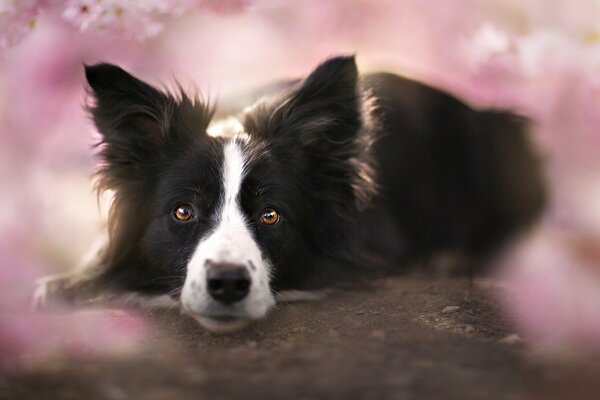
[(327, 179)]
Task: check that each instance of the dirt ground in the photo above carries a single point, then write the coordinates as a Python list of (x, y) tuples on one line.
[(395, 339)]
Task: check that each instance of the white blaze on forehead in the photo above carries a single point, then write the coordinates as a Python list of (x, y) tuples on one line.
[(230, 242), (233, 173)]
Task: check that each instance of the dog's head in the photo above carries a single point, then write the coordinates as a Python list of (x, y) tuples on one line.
[(223, 222)]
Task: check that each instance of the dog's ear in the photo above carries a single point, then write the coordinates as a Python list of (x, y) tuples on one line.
[(327, 102), (137, 121), (324, 106), (319, 130)]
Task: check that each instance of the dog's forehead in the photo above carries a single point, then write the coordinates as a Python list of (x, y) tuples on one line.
[(204, 169), (254, 153)]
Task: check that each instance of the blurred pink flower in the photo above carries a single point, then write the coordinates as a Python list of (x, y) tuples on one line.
[(17, 18), (140, 19), (553, 290), (27, 337), (550, 72)]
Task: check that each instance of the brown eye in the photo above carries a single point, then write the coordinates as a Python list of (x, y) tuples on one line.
[(183, 212), (269, 216)]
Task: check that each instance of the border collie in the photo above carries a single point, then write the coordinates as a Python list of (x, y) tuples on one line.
[(319, 181)]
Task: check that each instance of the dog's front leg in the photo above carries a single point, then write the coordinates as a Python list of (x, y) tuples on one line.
[(73, 287)]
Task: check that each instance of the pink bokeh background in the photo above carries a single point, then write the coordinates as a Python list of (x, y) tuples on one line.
[(541, 58)]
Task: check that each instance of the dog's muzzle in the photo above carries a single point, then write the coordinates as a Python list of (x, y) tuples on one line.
[(224, 296)]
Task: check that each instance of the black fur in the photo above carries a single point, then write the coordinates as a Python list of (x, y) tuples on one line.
[(356, 165)]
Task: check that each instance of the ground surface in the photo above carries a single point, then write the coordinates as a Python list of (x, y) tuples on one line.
[(390, 341)]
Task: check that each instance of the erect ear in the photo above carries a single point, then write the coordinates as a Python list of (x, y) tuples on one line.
[(328, 99), (136, 120), (323, 106), (132, 118)]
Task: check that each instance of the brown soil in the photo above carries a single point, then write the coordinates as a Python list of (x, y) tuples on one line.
[(388, 341)]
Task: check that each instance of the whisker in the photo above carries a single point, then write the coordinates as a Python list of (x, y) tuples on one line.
[(278, 295)]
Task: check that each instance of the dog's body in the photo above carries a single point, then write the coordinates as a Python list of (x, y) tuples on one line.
[(334, 177)]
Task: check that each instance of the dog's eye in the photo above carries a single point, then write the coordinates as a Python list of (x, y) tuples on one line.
[(183, 212), (269, 216)]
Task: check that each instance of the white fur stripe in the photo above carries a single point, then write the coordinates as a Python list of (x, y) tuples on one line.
[(233, 174), (231, 241)]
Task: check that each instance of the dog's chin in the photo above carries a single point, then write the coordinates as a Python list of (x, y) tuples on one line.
[(222, 325)]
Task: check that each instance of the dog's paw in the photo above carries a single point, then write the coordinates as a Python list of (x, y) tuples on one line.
[(50, 293)]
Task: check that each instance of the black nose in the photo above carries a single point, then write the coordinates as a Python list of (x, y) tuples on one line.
[(227, 283)]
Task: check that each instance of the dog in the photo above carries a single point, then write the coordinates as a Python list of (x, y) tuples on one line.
[(317, 182)]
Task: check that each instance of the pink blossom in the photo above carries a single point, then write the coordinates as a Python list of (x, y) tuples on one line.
[(27, 336), (553, 289), (17, 18), (140, 19)]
